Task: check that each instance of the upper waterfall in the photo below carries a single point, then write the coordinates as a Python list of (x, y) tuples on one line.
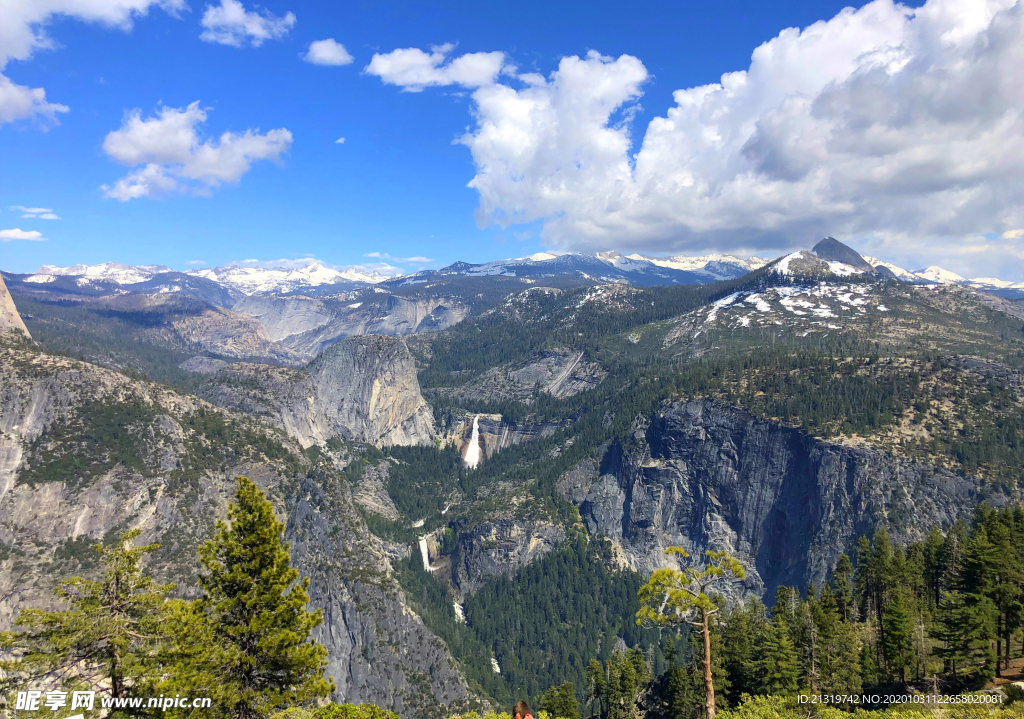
[(472, 458)]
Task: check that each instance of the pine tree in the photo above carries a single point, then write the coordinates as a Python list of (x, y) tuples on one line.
[(672, 597), (738, 628), (933, 565), (842, 587), (1005, 590), (778, 667), (597, 688), (112, 636), (979, 574), (953, 626), (617, 685), (862, 579), (898, 638), (247, 644), (844, 673), (560, 702)]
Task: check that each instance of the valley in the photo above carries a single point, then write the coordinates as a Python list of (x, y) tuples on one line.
[(478, 467)]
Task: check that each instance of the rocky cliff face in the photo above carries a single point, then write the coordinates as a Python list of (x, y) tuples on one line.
[(493, 433), (363, 389), (704, 476), (367, 387), (10, 320), (500, 548), (171, 474)]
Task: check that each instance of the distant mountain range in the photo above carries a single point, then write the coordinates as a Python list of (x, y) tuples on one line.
[(603, 267)]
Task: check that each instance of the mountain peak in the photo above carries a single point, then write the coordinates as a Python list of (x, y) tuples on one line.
[(832, 250)]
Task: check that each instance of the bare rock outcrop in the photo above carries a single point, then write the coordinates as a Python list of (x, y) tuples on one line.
[(367, 388), (363, 389), (10, 320), (500, 548)]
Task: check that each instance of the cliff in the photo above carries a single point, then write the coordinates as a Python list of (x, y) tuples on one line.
[(10, 320), (362, 389), (86, 453), (493, 433), (704, 476)]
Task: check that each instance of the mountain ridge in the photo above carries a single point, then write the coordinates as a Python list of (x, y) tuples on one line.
[(636, 269)]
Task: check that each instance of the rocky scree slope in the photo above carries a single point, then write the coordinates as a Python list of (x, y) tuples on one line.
[(86, 453)]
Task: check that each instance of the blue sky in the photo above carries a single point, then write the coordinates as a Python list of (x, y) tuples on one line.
[(398, 183)]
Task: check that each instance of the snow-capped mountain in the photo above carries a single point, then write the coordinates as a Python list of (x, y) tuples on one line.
[(939, 276), (634, 269), (253, 280), (106, 272), (901, 273), (715, 265), (247, 280), (315, 277)]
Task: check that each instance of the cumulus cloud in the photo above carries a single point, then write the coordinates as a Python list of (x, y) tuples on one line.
[(412, 69), (174, 158), (16, 234), (327, 52), (231, 24), (38, 213), (18, 102), (894, 127), (340, 141), (23, 32)]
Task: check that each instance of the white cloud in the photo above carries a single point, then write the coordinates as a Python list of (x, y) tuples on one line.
[(39, 213), (18, 102), (898, 128), (195, 262), (340, 141), (1013, 234), (16, 234), (412, 69), (327, 52), (230, 24), (401, 260), (174, 158), (382, 268), (23, 31)]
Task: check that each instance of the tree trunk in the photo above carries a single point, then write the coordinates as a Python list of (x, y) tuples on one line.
[(999, 646), (709, 682)]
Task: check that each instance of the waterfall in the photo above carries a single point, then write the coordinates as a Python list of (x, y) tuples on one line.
[(473, 451), (425, 553)]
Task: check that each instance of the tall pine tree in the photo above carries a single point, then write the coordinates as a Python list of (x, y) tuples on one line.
[(248, 645), (112, 637)]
